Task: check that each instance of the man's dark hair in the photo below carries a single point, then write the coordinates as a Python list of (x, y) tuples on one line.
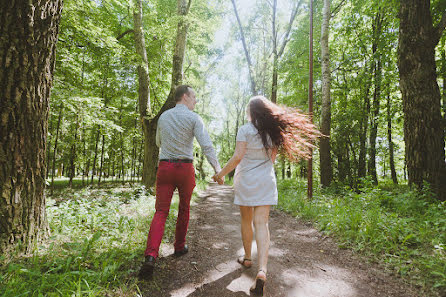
[(180, 91)]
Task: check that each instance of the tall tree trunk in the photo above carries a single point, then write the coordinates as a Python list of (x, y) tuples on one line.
[(140, 159), (423, 125), (389, 139), (84, 147), (374, 119), (151, 150), (102, 159), (144, 97), (73, 154), (364, 123), (324, 144), (275, 78), (93, 169), (443, 74), (111, 156), (55, 147), (28, 36), (122, 171), (135, 125), (277, 53)]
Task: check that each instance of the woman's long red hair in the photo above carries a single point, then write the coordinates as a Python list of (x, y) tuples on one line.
[(284, 128)]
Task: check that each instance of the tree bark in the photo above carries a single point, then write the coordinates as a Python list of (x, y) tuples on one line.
[(73, 154), (443, 74), (102, 159), (324, 144), (423, 125), (93, 170), (28, 36), (389, 139), (84, 150), (374, 119)]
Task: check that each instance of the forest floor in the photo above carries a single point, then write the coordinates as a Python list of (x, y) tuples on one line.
[(302, 261)]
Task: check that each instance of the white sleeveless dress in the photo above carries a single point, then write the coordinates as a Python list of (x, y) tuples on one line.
[(254, 179)]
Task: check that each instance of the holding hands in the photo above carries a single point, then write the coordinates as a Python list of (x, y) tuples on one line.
[(240, 150), (219, 179)]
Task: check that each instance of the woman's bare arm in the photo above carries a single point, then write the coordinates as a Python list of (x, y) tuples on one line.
[(240, 150)]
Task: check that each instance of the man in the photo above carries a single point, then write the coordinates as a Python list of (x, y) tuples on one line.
[(176, 130)]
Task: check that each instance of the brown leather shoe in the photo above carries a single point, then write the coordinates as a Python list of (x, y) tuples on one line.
[(184, 251), (147, 267)]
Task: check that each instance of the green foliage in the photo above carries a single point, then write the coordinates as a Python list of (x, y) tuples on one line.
[(401, 229), (95, 81), (96, 245)]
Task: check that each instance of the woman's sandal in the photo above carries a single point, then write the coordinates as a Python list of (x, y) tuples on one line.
[(259, 286), (245, 262)]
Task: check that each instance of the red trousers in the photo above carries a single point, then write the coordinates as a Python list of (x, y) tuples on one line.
[(169, 177)]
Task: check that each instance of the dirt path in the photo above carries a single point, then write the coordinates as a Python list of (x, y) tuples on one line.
[(302, 262)]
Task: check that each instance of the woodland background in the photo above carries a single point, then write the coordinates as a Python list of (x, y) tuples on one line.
[(379, 177)]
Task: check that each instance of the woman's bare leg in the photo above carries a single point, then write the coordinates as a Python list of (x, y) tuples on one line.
[(246, 214), (261, 215)]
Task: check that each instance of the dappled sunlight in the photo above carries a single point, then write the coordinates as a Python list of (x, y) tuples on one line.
[(239, 284), (276, 252), (232, 228), (206, 227), (220, 271), (320, 281), (220, 245)]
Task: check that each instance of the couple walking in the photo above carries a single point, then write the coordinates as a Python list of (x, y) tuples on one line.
[(270, 129)]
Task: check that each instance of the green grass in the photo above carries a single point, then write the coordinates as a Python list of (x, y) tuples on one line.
[(403, 230), (60, 183), (96, 244)]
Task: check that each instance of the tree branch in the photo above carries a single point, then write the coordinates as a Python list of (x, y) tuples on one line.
[(335, 11), (124, 33), (253, 86), (290, 25), (188, 6)]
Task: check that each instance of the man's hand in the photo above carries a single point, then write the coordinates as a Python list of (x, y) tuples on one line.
[(219, 180)]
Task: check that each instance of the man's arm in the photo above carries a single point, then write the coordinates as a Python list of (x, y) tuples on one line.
[(206, 144)]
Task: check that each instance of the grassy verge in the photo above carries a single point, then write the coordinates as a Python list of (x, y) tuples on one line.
[(96, 245), (394, 226)]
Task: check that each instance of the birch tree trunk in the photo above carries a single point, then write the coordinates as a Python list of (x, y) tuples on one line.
[(28, 36)]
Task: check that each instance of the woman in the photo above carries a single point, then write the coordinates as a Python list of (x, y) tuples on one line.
[(270, 129)]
